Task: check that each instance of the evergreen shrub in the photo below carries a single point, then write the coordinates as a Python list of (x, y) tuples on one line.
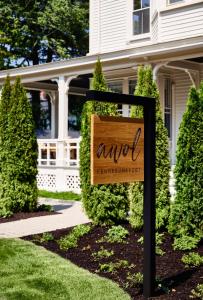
[(18, 191), (103, 203), (147, 87), (186, 217), (5, 106)]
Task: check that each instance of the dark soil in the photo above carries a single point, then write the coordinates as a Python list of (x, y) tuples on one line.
[(26, 215), (174, 279)]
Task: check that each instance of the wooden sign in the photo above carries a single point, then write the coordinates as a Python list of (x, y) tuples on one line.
[(117, 149)]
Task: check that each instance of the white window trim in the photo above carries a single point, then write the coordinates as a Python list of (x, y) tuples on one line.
[(178, 5), (125, 110), (169, 109), (175, 3), (130, 36), (142, 9), (172, 140)]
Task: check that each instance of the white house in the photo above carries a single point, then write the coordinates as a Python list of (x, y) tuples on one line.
[(168, 34)]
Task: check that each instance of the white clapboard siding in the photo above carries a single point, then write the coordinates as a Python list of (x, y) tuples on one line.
[(155, 28), (180, 23), (113, 24), (182, 87), (94, 25), (108, 25)]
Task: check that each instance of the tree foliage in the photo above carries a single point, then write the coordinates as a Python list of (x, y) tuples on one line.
[(147, 87), (186, 218), (5, 106), (36, 31), (102, 203), (18, 189)]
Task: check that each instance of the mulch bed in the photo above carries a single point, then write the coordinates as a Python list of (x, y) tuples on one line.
[(176, 280), (26, 215)]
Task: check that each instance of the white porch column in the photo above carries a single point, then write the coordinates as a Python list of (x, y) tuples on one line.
[(125, 91), (63, 87), (52, 96), (62, 109)]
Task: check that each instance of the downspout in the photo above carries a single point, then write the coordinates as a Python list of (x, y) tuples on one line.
[(156, 69)]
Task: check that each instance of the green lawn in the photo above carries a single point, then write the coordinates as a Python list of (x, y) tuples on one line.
[(59, 195), (28, 272)]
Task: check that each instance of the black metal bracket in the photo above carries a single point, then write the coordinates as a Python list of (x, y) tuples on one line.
[(149, 106)]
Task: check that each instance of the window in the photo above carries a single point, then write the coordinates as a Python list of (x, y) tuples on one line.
[(41, 109), (141, 16), (132, 85), (168, 106), (117, 87), (174, 1)]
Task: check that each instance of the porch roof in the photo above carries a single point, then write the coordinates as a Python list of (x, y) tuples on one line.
[(123, 59)]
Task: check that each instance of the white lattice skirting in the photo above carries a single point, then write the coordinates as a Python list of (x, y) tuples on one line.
[(58, 179), (63, 179)]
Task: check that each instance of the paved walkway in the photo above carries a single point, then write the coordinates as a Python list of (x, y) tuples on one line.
[(71, 214)]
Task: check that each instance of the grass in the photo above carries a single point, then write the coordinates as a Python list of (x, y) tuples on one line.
[(59, 195), (28, 272)]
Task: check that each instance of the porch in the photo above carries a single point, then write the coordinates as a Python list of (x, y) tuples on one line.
[(58, 165), (62, 87), (60, 101)]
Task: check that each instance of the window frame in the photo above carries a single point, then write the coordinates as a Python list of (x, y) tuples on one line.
[(168, 106), (174, 3), (124, 82), (117, 82), (142, 34)]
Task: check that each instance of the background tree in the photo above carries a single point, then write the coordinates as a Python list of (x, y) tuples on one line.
[(19, 187), (186, 218), (36, 31), (39, 31), (102, 203), (147, 87), (5, 55)]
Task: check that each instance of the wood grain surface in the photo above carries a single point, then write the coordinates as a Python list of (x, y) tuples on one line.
[(117, 149)]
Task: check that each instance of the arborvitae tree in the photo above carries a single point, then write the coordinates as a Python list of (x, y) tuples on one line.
[(103, 203), (5, 106), (135, 190), (186, 218), (19, 187), (147, 87)]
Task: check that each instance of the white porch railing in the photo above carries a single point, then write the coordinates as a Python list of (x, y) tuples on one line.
[(56, 153), (58, 165)]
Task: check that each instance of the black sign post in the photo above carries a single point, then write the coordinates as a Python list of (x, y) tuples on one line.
[(149, 177)]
